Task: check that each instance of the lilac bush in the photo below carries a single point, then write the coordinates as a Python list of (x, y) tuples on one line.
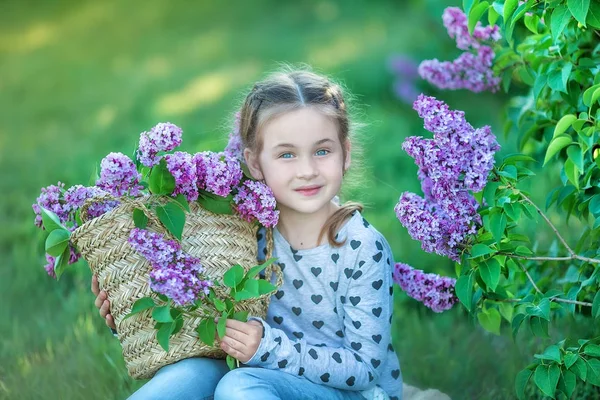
[(436, 292)]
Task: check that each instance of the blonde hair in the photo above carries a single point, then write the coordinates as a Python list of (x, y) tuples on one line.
[(288, 90)]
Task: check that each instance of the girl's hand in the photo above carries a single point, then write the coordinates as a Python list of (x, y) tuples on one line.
[(102, 303), (241, 339)]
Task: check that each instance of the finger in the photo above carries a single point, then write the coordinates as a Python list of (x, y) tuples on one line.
[(233, 343), (232, 350), (100, 299), (104, 309), (95, 286), (110, 321), (243, 327)]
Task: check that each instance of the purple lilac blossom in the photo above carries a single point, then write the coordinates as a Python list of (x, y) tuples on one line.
[(183, 169), (165, 136), (235, 146), (456, 161), (435, 291), (119, 176), (49, 267), (217, 173), (50, 199), (469, 71), (179, 279), (456, 24), (174, 273), (76, 195), (255, 201)]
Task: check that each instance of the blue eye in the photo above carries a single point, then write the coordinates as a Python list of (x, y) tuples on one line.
[(286, 155), (322, 152)]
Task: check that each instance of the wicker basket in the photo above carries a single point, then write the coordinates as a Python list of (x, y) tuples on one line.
[(220, 241)]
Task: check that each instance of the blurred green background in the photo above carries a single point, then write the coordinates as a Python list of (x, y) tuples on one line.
[(81, 79)]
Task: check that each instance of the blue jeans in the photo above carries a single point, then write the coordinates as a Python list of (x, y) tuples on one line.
[(208, 379)]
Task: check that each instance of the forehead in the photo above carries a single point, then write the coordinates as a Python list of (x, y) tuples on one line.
[(301, 127)]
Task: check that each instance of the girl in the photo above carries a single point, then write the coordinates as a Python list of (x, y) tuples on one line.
[(327, 330)]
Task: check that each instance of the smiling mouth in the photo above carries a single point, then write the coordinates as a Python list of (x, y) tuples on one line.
[(309, 191)]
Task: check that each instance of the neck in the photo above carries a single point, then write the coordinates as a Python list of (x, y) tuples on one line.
[(302, 230)]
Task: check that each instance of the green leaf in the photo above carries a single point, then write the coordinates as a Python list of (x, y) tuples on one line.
[(252, 272), (593, 371), (476, 13), (162, 314), (513, 210), (516, 324), (546, 378), (556, 145), (222, 325), (521, 382), (587, 95), (567, 383), (512, 159), (579, 9), (182, 201), (539, 327), (243, 295), (595, 97), (576, 155), (551, 353), (231, 362), (560, 19), (580, 369), (233, 276), (172, 217), (219, 305), (593, 18), (177, 326), (57, 241), (596, 305), (161, 180), (140, 220), (251, 286), (493, 15), (542, 309), (216, 204), (497, 225), (570, 359), (557, 80), (241, 316), (490, 273), (480, 250), (140, 305), (490, 320), (50, 220), (523, 251), (531, 22), (206, 331), (572, 173), (592, 350), (464, 289), (265, 287), (61, 262), (509, 8), (164, 333), (594, 205), (563, 124)]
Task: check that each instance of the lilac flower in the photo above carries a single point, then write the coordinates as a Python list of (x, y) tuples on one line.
[(163, 137), (174, 273), (153, 246), (469, 71), (435, 291), (217, 173), (235, 146), (50, 199), (119, 176), (76, 195), (179, 280), (456, 161), (183, 169), (456, 24), (254, 201), (406, 71), (49, 267)]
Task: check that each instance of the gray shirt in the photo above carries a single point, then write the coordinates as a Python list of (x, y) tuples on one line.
[(330, 320)]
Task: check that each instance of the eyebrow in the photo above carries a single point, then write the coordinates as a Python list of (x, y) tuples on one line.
[(289, 145)]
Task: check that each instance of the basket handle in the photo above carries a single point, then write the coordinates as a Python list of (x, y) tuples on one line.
[(83, 213)]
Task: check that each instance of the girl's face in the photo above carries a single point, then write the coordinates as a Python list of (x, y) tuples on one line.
[(301, 160)]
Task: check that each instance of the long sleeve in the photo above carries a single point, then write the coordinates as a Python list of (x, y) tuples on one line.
[(366, 330)]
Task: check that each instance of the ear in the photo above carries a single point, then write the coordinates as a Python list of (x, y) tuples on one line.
[(253, 164), (348, 148)]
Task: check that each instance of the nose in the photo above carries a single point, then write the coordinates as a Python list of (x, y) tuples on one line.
[(307, 168)]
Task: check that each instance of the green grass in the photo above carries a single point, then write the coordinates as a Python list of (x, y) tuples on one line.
[(82, 79)]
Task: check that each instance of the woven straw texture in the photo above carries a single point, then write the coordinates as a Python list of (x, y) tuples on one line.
[(220, 241)]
